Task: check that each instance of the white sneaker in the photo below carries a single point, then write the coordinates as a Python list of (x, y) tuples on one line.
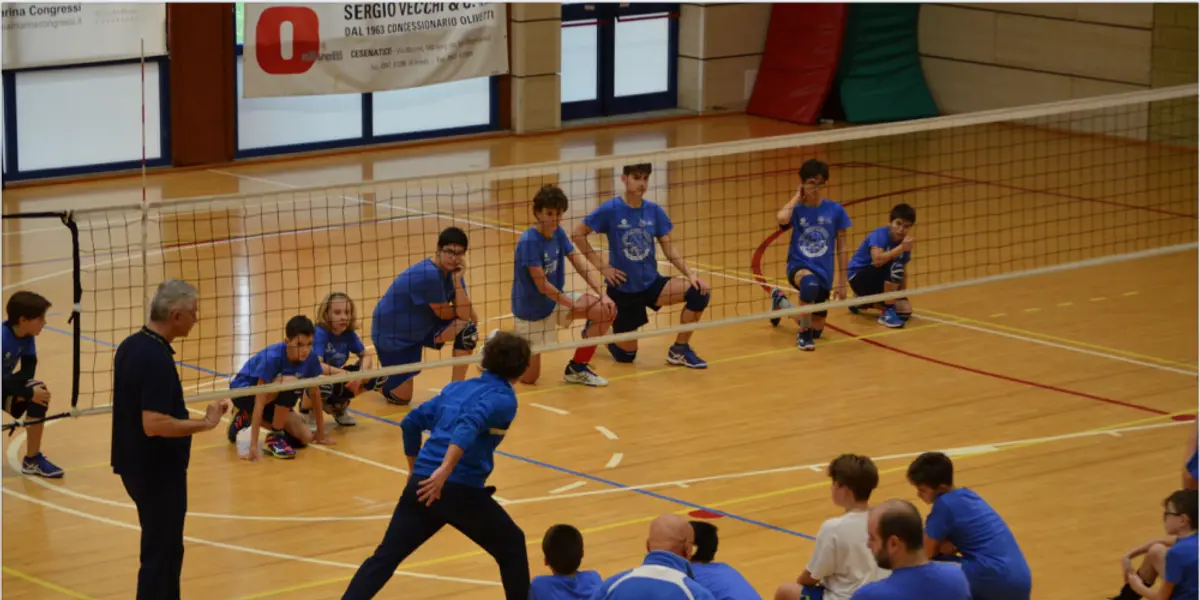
[(344, 419), (585, 376)]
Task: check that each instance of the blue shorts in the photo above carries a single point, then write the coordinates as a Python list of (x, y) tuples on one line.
[(987, 584), (408, 355)]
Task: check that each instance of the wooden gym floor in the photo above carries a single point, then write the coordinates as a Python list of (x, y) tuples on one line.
[(1064, 397)]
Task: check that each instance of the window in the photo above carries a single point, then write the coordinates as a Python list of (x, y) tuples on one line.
[(618, 58)]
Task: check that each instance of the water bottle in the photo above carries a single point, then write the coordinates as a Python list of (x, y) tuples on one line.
[(243, 443)]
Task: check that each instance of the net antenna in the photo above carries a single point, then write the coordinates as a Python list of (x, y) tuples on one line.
[(145, 201), (68, 220)]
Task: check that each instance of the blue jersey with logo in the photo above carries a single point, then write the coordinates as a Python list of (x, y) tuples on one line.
[(880, 238), (335, 350), (535, 250), (15, 347), (403, 317), (814, 234), (272, 362), (631, 235)]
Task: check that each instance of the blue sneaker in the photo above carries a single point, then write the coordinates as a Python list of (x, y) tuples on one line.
[(240, 421), (889, 318), (804, 341), (854, 310), (276, 445), (777, 300), (682, 354), (38, 465)]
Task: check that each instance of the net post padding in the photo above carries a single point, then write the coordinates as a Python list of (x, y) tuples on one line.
[(668, 331), (807, 139), (68, 220)]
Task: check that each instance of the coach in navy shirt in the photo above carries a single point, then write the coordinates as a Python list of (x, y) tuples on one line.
[(466, 421), (152, 435), (898, 543)]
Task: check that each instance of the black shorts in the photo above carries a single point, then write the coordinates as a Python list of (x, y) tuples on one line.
[(286, 399), (631, 306), (869, 280)]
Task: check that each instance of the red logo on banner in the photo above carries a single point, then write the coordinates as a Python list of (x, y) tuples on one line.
[(306, 39)]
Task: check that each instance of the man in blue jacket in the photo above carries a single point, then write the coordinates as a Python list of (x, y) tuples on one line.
[(466, 422), (665, 574)]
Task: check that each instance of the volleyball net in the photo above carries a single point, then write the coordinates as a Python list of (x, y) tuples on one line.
[(1000, 194)]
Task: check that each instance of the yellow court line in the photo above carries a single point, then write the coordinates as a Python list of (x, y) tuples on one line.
[(1063, 340), (720, 504), (46, 584), (832, 342), (109, 462)]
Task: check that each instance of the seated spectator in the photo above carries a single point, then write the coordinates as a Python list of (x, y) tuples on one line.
[(1192, 464), (897, 542), (1173, 558), (722, 580), (563, 549), (841, 562), (665, 573)]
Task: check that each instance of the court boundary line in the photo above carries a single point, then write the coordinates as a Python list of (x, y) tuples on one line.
[(54, 587)]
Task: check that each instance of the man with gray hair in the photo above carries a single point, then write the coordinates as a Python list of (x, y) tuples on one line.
[(152, 435)]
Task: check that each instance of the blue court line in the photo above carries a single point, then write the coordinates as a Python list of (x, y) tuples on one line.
[(531, 461)]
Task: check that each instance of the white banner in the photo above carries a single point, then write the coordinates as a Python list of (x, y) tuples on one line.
[(39, 35), (313, 49)]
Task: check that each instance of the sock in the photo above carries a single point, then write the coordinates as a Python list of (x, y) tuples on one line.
[(785, 303), (679, 345), (584, 355)]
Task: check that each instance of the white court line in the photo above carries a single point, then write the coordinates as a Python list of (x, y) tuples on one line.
[(606, 432), (549, 408), (820, 467), (614, 460), (568, 487), (1034, 340), (234, 547)]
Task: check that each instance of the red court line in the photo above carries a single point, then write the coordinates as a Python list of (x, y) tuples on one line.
[(1021, 189), (756, 269)]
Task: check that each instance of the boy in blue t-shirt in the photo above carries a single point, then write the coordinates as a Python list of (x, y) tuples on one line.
[(1174, 558), (540, 304), (24, 395), (281, 362), (818, 235), (878, 266), (894, 537), (426, 306), (631, 224), (963, 528), (724, 581), (563, 547)]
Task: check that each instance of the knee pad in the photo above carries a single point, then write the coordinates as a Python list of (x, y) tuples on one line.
[(695, 300), (810, 289), (621, 355), (467, 338), (35, 411), (895, 273)]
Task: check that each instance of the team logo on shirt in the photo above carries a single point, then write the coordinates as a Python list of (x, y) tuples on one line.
[(549, 263), (813, 240), (636, 244)]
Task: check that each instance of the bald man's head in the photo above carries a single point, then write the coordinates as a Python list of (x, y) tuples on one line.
[(671, 533)]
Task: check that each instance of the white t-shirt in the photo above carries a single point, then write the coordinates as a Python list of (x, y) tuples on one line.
[(841, 560)]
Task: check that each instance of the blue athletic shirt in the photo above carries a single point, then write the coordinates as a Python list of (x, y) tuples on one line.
[(15, 347), (403, 318), (335, 350), (724, 581), (534, 250), (272, 362), (631, 235), (579, 586), (474, 415), (880, 238), (930, 581), (814, 234), (992, 560), (1181, 568)]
